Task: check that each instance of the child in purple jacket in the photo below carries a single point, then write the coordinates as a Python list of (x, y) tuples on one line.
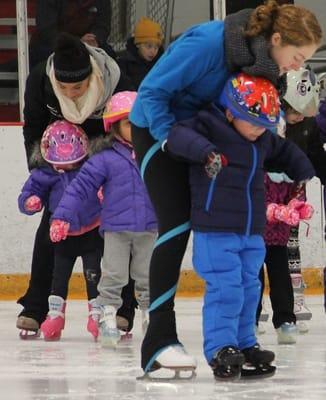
[(127, 220), (64, 146)]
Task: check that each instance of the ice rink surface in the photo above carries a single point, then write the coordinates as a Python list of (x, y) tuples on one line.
[(77, 368)]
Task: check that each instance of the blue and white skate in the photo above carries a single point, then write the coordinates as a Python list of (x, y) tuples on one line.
[(109, 333)]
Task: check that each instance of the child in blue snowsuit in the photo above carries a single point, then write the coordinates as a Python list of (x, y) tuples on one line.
[(229, 151)]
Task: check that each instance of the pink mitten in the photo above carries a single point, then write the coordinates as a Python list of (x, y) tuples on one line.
[(59, 230), (270, 211), (33, 204), (288, 215), (305, 210)]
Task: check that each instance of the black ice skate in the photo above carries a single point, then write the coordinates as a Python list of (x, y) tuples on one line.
[(257, 364), (227, 363), (30, 328)]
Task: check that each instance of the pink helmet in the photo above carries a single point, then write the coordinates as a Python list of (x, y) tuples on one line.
[(64, 143), (118, 107)]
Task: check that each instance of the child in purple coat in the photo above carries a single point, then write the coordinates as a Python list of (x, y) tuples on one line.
[(127, 220), (64, 146)]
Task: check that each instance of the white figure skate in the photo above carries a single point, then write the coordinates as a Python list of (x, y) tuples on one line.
[(176, 359), (109, 333), (287, 333)]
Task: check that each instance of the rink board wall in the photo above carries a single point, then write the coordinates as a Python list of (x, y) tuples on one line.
[(17, 230)]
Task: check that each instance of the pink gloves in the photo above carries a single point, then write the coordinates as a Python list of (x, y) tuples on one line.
[(215, 162), (59, 230), (33, 204), (291, 214)]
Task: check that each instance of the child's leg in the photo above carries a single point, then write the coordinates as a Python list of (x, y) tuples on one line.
[(63, 266), (142, 248), (115, 268), (92, 271), (281, 291), (216, 260), (252, 257)]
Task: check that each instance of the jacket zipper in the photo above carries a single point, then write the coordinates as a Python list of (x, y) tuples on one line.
[(248, 190)]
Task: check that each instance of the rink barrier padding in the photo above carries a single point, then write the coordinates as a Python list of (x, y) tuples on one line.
[(13, 286)]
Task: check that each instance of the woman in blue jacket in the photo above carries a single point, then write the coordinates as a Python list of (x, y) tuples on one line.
[(267, 41)]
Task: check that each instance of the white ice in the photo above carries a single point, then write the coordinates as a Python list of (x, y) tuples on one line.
[(77, 368)]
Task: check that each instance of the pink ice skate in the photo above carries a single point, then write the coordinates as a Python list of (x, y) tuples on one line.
[(94, 314), (55, 320)]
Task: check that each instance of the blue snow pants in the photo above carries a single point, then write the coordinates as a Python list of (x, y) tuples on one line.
[(230, 264)]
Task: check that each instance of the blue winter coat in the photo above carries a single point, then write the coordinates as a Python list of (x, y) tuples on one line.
[(235, 200), (190, 74), (126, 205), (49, 185)]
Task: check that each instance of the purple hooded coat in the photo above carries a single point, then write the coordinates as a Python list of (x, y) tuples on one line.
[(126, 205)]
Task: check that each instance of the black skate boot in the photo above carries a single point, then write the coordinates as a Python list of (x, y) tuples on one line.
[(227, 363), (257, 364)]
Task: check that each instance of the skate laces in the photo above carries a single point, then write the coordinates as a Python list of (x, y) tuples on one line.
[(94, 310), (56, 307)]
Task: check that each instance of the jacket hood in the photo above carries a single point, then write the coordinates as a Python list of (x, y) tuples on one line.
[(99, 144), (109, 68), (36, 160)]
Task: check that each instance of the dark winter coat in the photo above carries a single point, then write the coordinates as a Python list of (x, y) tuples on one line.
[(42, 106), (235, 200), (49, 185), (306, 135), (134, 66), (126, 205)]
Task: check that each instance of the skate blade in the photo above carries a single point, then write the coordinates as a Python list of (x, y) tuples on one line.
[(181, 374), (125, 336), (53, 338), (304, 316), (109, 343), (26, 334), (260, 372)]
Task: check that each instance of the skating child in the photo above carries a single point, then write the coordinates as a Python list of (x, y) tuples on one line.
[(300, 103), (64, 147), (127, 220), (142, 51), (229, 150)]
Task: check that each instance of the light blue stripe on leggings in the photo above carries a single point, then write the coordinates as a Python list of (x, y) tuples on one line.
[(152, 150)]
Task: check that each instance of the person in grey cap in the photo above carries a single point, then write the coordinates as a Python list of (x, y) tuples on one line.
[(74, 84)]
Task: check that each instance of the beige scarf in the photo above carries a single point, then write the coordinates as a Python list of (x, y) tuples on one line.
[(77, 111)]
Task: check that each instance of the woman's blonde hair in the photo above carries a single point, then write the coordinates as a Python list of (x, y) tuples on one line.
[(296, 25)]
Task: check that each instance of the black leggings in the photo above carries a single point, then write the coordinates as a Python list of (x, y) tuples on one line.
[(281, 291), (168, 187), (35, 300), (89, 247)]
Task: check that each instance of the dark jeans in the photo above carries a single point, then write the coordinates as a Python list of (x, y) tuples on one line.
[(35, 300), (168, 187), (281, 291)]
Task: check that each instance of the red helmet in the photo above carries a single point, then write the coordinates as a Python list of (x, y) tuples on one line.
[(252, 98)]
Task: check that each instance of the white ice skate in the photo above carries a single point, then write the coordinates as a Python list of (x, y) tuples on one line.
[(260, 328), (30, 328), (109, 333), (173, 358), (287, 333)]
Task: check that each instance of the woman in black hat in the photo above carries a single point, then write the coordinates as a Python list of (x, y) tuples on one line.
[(74, 84)]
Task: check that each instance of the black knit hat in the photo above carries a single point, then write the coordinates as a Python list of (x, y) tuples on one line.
[(71, 60)]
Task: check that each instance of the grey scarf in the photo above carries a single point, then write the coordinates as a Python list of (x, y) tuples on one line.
[(249, 55)]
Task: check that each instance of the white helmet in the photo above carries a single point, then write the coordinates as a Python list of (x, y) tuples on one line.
[(302, 92)]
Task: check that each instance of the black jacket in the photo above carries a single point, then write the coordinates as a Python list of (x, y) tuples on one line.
[(134, 66), (42, 108), (306, 135)]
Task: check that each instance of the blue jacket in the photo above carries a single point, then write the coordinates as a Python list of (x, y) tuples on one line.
[(126, 205), (235, 200), (49, 185), (190, 74)]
